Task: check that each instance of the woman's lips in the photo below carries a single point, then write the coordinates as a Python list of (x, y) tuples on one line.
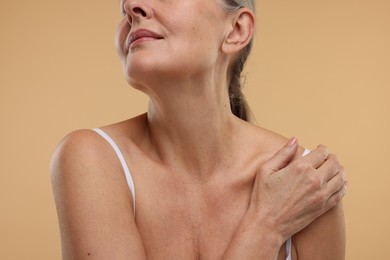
[(141, 35)]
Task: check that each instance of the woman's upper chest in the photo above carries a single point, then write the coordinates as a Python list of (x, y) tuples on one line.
[(180, 219), (184, 218)]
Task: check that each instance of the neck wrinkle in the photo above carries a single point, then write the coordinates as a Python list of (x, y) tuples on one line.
[(192, 133)]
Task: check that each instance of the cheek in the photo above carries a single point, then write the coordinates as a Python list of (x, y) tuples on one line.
[(120, 37), (203, 41)]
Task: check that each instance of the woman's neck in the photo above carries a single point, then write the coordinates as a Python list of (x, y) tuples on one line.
[(193, 128)]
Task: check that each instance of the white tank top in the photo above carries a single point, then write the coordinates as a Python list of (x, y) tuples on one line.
[(130, 181)]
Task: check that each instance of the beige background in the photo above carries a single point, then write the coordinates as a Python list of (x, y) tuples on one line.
[(319, 71)]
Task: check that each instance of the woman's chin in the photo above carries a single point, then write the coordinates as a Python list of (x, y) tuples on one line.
[(146, 73), (140, 77)]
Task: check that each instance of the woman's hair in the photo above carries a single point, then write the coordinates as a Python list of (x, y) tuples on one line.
[(238, 102)]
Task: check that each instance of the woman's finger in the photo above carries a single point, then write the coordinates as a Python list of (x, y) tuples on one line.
[(336, 184), (330, 168), (317, 157), (282, 157), (336, 198)]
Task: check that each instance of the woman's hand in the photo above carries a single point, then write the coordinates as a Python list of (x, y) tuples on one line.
[(288, 194)]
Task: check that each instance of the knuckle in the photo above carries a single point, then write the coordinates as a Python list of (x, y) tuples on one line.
[(335, 159), (319, 200), (339, 183), (339, 196), (302, 166), (342, 173), (333, 162), (322, 146), (333, 156), (344, 176), (332, 202), (323, 150), (336, 198), (314, 182)]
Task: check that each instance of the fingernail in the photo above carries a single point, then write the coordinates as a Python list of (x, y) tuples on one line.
[(292, 141)]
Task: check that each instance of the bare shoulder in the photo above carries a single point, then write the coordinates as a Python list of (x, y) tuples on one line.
[(80, 152), (83, 146), (78, 143), (84, 155), (269, 140), (93, 202)]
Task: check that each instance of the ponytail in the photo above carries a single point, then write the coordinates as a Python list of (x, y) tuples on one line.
[(238, 103)]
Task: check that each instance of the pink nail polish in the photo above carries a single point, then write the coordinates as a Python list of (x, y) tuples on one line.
[(292, 141)]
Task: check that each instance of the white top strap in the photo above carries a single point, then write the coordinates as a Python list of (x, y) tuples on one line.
[(126, 170), (288, 249)]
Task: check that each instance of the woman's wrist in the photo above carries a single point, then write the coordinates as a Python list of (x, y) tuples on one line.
[(254, 239), (263, 226)]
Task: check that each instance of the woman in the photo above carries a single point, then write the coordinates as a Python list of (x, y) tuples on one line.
[(200, 182)]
